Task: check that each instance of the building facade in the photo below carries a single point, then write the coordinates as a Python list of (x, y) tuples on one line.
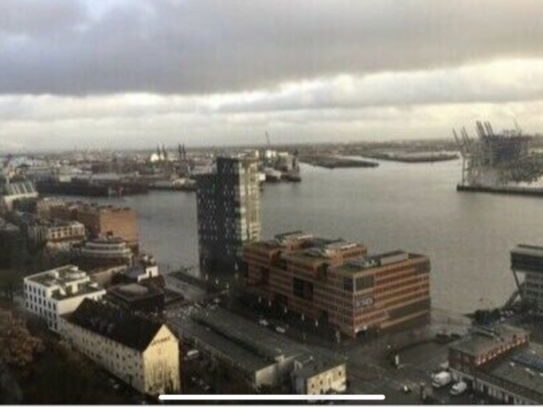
[(55, 232), (228, 206), (501, 363), (528, 260), (313, 376), (338, 283), (56, 292), (104, 252), (101, 221), (142, 353)]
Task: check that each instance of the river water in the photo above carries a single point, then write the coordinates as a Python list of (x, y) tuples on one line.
[(413, 207)]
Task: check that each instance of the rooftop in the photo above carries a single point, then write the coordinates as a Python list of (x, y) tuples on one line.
[(58, 276), (134, 292), (33, 220), (312, 366), (120, 326), (482, 340), (376, 260), (106, 240), (20, 188), (245, 343), (524, 370), (94, 207), (65, 282)]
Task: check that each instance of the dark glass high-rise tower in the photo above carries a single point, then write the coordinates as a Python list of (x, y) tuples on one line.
[(228, 202)]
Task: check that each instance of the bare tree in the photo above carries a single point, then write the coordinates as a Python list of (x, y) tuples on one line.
[(17, 346)]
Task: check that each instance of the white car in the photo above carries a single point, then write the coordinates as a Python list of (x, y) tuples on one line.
[(441, 380), (263, 322), (280, 329), (458, 388)]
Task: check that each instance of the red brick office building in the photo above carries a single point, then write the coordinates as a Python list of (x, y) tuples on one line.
[(338, 282)]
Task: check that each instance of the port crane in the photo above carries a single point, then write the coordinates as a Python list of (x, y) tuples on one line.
[(497, 158)]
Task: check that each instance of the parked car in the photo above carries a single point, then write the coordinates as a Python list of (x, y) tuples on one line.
[(458, 388), (441, 379)]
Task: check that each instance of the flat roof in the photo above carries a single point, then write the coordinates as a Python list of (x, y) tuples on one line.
[(237, 354), (58, 276), (20, 188), (243, 342), (59, 280), (313, 367), (524, 369), (481, 340), (376, 260), (95, 207), (134, 292)]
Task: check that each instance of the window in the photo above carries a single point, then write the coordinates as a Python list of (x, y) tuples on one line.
[(348, 284), (363, 283), (302, 288)]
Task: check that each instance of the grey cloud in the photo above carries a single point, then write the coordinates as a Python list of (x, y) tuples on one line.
[(36, 18), (215, 46)]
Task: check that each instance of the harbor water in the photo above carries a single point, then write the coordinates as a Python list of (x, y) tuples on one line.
[(413, 207)]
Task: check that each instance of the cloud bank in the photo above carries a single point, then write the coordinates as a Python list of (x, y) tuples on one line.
[(222, 72)]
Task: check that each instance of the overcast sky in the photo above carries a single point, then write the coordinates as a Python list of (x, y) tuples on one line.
[(131, 73)]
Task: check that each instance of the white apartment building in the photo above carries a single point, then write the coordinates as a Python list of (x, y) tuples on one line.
[(142, 353), (59, 291)]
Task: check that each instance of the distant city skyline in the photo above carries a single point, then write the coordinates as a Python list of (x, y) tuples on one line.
[(130, 74)]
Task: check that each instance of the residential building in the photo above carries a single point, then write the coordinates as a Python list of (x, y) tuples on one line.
[(228, 207), (142, 353), (336, 282), (263, 357), (501, 363), (101, 221), (59, 291), (54, 232), (42, 207), (528, 260)]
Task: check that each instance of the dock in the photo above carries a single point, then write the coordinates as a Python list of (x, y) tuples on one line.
[(507, 190)]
